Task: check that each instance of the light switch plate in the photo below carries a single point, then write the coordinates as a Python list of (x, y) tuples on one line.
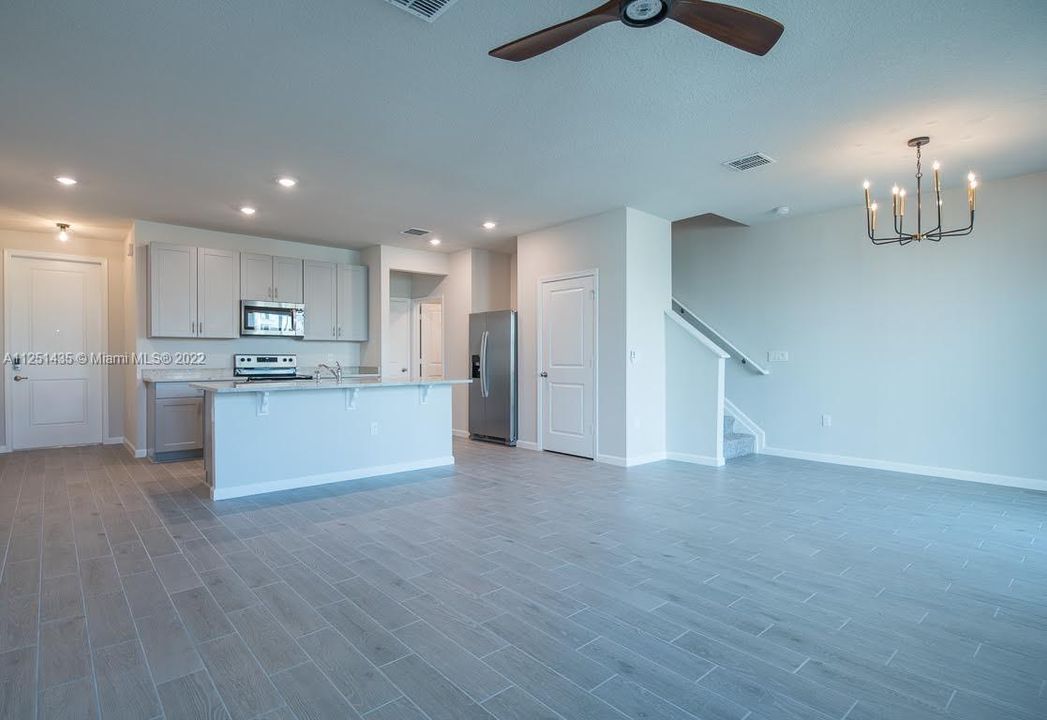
[(777, 356)]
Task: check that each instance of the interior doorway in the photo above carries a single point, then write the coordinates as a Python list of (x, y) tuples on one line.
[(428, 340)]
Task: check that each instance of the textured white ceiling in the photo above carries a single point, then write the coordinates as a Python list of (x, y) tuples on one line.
[(181, 111)]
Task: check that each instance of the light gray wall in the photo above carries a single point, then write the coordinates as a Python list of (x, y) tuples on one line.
[(930, 355), (592, 243), (694, 377)]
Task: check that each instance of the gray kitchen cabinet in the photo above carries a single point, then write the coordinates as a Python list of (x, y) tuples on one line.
[(175, 421), (192, 292), (256, 276), (217, 289), (172, 290), (287, 280), (352, 303), (336, 301), (321, 307), (276, 279)]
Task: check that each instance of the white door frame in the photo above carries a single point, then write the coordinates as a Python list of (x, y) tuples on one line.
[(416, 347), (8, 377), (595, 275)]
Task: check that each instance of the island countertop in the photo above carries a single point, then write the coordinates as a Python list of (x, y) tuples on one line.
[(348, 383)]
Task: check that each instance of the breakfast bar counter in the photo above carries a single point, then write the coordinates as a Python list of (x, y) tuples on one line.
[(266, 437)]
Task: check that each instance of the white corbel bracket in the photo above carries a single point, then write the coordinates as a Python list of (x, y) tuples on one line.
[(424, 390), (350, 398), (263, 403)]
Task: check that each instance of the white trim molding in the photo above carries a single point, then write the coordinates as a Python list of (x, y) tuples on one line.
[(748, 423), (133, 451), (455, 432), (528, 445), (619, 461), (696, 459), (247, 490), (912, 469)]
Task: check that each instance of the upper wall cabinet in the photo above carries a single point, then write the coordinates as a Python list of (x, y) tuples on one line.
[(335, 302), (192, 292), (352, 303), (264, 277)]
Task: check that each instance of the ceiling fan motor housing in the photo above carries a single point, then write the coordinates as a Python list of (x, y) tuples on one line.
[(644, 13)]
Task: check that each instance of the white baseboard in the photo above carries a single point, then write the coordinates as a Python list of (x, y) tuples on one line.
[(527, 445), (133, 451), (114, 441), (4, 449), (926, 470), (619, 461), (459, 433), (695, 459), (237, 491)]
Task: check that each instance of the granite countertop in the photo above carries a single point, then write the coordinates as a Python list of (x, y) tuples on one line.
[(324, 384), (181, 375)]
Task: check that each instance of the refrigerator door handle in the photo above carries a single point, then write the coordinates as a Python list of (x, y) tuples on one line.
[(484, 390)]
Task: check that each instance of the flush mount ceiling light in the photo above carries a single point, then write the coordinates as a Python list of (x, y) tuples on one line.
[(248, 210), (434, 242), (898, 206), (287, 181), (490, 225), (63, 231), (66, 180)]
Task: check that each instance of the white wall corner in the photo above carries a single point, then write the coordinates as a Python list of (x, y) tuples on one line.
[(133, 451), (528, 445)]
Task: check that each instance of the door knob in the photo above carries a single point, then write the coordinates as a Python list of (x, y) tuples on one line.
[(543, 374), (20, 378)]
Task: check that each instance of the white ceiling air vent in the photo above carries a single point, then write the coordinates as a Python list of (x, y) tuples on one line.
[(417, 232), (428, 10), (749, 162)]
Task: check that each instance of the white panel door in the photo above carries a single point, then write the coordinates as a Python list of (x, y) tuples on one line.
[(218, 293), (56, 312), (256, 276), (397, 361), (321, 315), (431, 341), (352, 303), (566, 369), (172, 290), (287, 280)]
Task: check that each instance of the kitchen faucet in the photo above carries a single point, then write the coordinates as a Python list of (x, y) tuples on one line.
[(336, 371)]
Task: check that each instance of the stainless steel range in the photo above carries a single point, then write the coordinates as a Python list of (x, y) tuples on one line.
[(267, 368)]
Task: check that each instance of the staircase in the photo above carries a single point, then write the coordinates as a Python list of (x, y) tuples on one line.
[(736, 444)]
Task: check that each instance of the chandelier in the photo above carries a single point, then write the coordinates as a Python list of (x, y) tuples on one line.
[(900, 236)]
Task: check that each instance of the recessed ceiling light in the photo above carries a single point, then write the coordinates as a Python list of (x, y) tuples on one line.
[(248, 210), (66, 180), (63, 231), (434, 241), (490, 225), (287, 181)]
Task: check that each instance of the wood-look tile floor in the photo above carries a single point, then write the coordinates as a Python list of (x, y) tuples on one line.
[(519, 586)]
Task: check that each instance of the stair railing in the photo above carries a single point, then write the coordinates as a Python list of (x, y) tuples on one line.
[(725, 344)]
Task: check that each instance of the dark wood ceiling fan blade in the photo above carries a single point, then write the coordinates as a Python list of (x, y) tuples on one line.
[(737, 27), (555, 36)]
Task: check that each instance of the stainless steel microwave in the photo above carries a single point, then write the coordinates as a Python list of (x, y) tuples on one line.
[(262, 317)]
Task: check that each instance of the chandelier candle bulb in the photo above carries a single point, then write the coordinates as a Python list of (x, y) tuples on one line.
[(901, 202), (937, 177), (972, 194), (872, 216), (867, 198)]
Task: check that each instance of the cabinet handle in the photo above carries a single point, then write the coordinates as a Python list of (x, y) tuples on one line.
[(276, 293)]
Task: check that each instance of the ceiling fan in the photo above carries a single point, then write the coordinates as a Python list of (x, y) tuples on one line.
[(739, 28)]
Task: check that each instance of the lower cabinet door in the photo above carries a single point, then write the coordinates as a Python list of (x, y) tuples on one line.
[(179, 424)]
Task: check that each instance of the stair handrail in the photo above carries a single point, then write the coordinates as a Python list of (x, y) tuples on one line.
[(717, 337)]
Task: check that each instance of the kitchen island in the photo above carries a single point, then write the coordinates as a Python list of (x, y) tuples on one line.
[(266, 437)]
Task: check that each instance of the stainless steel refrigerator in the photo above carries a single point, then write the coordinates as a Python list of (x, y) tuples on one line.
[(492, 360)]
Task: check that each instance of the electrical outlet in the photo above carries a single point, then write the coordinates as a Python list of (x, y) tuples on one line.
[(777, 356), (827, 421), (374, 428)]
